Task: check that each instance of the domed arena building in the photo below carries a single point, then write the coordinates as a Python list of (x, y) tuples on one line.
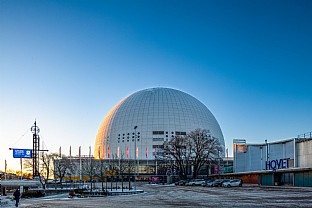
[(141, 123)]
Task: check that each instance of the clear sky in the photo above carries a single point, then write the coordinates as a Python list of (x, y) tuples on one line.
[(66, 63)]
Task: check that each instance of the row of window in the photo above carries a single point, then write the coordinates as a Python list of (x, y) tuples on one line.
[(156, 133), (129, 134), (178, 133)]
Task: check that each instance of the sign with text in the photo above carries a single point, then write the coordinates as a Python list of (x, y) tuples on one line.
[(22, 153), (277, 164)]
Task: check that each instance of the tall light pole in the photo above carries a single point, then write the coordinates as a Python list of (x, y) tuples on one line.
[(135, 157), (36, 149)]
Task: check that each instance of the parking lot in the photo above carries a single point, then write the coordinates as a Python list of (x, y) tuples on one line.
[(189, 196)]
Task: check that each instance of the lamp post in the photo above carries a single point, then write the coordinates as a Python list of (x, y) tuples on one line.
[(106, 171), (135, 157), (101, 160)]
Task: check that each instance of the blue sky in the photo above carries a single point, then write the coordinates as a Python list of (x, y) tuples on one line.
[(66, 63)]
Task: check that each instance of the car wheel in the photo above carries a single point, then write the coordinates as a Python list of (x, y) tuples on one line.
[(228, 185)]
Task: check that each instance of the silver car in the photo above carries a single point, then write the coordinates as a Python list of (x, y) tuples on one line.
[(231, 183), (196, 182)]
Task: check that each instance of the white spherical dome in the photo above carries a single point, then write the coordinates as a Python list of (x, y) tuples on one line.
[(158, 114)]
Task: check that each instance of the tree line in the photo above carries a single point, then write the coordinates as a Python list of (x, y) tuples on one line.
[(182, 155)]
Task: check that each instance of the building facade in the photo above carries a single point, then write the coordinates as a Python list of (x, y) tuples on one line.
[(286, 162)]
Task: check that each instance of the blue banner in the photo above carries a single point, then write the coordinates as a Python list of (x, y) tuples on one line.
[(22, 153)]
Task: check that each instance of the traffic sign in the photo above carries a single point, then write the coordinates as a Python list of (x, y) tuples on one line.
[(22, 153)]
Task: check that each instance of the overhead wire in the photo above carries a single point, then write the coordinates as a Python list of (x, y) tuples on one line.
[(28, 130)]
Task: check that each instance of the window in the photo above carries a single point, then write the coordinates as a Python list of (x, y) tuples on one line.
[(158, 146), (178, 133), (158, 132), (158, 139)]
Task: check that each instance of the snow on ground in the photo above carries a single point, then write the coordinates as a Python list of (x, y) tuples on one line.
[(189, 196), (7, 201)]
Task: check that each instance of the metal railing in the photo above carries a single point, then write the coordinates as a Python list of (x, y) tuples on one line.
[(307, 135)]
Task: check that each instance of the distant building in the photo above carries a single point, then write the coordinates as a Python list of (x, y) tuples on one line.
[(137, 127), (275, 163), (148, 118)]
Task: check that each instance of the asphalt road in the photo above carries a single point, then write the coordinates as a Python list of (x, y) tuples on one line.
[(184, 196)]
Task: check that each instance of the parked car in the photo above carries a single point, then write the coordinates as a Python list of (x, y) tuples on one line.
[(218, 182), (195, 182), (181, 182), (235, 182), (207, 182)]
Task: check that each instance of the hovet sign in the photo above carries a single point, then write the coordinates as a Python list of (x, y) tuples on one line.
[(277, 164)]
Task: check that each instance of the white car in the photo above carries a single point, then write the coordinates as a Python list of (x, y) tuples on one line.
[(196, 182), (235, 182)]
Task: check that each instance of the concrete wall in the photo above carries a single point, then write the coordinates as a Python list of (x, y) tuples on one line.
[(304, 153)]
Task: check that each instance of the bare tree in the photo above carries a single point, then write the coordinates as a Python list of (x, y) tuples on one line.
[(47, 165), (90, 167), (27, 164), (62, 166), (192, 151)]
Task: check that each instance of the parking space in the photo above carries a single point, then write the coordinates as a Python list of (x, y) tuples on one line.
[(190, 196)]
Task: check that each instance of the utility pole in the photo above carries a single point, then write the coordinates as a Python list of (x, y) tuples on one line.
[(36, 149)]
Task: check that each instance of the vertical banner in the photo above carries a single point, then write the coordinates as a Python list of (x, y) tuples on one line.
[(79, 152), (118, 152), (69, 151), (137, 152), (127, 152), (146, 152), (108, 152)]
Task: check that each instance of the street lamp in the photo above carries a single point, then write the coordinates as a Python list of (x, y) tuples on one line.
[(135, 157)]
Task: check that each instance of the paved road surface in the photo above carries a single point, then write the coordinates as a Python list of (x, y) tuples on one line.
[(184, 196)]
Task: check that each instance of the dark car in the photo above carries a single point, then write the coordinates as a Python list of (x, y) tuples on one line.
[(218, 182), (207, 182), (181, 182)]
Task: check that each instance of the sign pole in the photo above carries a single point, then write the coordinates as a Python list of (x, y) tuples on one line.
[(21, 161)]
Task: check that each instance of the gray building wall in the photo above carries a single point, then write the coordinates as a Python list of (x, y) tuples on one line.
[(257, 157), (304, 153)]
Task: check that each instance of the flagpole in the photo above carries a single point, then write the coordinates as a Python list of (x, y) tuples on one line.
[(60, 152), (80, 176), (5, 169)]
